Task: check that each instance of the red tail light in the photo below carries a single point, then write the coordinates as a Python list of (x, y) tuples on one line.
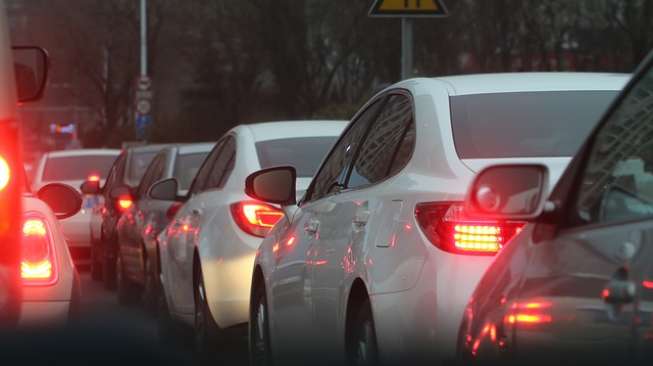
[(446, 226), (37, 265), (535, 312), (255, 218), (125, 203), (5, 173), (93, 178)]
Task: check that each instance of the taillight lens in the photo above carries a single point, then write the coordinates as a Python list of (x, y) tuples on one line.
[(5, 173), (37, 265), (255, 218), (124, 203), (448, 228)]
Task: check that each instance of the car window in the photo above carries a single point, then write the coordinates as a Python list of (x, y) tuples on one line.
[(71, 168), (114, 173), (152, 174), (223, 165), (333, 171), (617, 183), (140, 160), (186, 168), (200, 181), (376, 154), (525, 124), (303, 153)]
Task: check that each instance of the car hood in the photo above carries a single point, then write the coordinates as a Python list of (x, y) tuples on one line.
[(556, 165)]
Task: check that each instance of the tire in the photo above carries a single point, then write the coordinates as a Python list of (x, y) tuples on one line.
[(128, 292), (151, 287), (96, 266), (362, 348), (260, 353), (108, 269), (205, 338)]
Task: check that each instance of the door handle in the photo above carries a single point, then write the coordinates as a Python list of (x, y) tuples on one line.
[(620, 290), (312, 226)]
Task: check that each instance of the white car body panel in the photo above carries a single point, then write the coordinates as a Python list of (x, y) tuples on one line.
[(226, 253), (417, 291)]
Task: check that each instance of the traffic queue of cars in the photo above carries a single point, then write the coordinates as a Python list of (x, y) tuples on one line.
[(423, 230)]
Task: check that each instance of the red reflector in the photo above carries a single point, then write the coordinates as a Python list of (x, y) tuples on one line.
[(173, 209), (255, 218), (37, 263), (448, 228), (5, 173)]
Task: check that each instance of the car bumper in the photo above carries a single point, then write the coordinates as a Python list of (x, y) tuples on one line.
[(44, 313), (423, 322)]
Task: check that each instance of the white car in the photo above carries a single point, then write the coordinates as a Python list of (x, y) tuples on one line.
[(73, 167), (51, 288), (378, 259), (208, 249)]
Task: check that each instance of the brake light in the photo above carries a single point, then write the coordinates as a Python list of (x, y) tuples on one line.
[(448, 228), (5, 173), (93, 178), (255, 218), (125, 203), (532, 312), (37, 265)]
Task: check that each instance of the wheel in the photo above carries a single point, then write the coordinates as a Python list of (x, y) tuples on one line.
[(128, 292), (151, 287), (96, 265), (362, 347), (259, 332), (205, 338), (108, 268)]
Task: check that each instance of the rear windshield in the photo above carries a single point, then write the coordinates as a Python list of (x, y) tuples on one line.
[(65, 168), (186, 167), (525, 124), (303, 153), (138, 165)]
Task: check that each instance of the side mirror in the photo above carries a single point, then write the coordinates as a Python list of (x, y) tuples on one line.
[(64, 200), (122, 197), (509, 192), (164, 190), (90, 187), (274, 185), (31, 66)]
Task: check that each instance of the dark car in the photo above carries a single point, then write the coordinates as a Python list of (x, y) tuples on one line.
[(577, 283), (117, 192), (156, 200)]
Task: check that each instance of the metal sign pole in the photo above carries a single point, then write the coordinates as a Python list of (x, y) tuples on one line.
[(143, 37), (406, 48)]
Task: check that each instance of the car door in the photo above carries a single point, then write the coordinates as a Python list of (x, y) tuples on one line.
[(291, 288), (133, 221), (177, 236), (585, 294), (344, 221)]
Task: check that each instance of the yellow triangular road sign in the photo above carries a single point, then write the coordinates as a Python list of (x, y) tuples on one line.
[(408, 8)]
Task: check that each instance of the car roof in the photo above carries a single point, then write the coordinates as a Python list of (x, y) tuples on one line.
[(289, 129), (531, 82), (195, 148), (147, 148), (82, 152)]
